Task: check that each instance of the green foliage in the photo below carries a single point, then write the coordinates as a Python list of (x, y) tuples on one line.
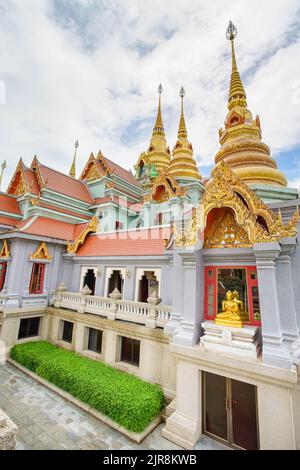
[(124, 398)]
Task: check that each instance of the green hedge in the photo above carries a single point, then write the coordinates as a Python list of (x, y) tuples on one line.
[(124, 398)]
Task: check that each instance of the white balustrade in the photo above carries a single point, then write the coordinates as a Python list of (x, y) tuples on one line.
[(128, 310)]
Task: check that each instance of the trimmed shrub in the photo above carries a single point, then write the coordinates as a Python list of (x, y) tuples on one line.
[(124, 398)]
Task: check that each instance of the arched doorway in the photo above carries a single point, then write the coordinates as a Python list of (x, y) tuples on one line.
[(147, 285), (116, 281), (89, 280)]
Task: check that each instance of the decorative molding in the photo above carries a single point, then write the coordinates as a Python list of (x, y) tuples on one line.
[(91, 228), (41, 253), (227, 190), (4, 253)]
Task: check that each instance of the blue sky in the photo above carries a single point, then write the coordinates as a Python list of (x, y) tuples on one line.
[(89, 70)]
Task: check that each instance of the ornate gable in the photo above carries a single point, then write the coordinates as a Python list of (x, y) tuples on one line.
[(227, 190), (41, 253), (90, 228), (164, 188), (18, 185), (4, 253), (94, 169), (225, 232)]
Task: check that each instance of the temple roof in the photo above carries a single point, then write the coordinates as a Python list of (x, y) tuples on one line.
[(149, 242), (64, 184), (9, 204)]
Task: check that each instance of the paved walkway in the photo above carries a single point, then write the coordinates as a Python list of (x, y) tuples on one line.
[(47, 421)]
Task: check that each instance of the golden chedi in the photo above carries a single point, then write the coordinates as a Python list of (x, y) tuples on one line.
[(158, 155), (183, 164), (232, 311), (241, 145)]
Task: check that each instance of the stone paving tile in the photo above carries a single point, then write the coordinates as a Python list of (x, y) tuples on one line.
[(47, 421)]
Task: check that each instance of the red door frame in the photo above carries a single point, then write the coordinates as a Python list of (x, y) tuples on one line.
[(38, 287), (3, 274), (212, 280)]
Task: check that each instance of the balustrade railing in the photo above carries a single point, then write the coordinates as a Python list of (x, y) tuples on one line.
[(150, 314)]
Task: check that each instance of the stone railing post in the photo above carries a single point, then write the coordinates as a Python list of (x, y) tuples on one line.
[(58, 295), (83, 295), (153, 300), (114, 296), (3, 298)]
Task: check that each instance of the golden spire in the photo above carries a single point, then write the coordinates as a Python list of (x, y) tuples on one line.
[(183, 165), (159, 128), (3, 167), (73, 167), (237, 95), (182, 132)]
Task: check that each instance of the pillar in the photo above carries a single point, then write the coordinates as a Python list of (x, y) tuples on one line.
[(275, 351), (191, 289), (184, 426), (285, 291)]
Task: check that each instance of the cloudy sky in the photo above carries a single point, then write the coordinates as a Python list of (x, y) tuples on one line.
[(89, 70)]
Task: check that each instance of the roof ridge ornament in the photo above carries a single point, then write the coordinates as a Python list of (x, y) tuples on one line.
[(73, 167), (159, 127), (237, 94), (182, 131)]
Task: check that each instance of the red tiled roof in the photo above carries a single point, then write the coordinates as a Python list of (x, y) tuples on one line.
[(7, 221), (9, 204), (64, 184), (134, 243), (121, 172), (47, 228), (51, 228)]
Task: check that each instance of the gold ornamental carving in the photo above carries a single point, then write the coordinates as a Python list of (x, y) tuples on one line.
[(91, 228), (227, 190), (41, 253)]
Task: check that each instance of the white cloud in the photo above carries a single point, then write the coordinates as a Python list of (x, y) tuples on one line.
[(89, 69)]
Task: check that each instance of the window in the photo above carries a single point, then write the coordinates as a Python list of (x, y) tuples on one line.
[(37, 279), (130, 350), (29, 327), (95, 340), (3, 268), (218, 280), (67, 333), (115, 281)]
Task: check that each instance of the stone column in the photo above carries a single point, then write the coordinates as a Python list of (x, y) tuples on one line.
[(184, 426), (296, 278), (15, 271), (285, 291), (192, 291), (153, 301), (177, 295), (275, 352), (275, 416), (84, 293), (114, 296)]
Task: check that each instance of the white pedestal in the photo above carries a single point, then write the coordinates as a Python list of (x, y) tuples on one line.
[(240, 341)]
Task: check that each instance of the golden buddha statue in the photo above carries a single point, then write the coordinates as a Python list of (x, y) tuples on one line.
[(236, 296), (232, 311)]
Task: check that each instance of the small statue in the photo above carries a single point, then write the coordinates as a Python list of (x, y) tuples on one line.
[(232, 311), (236, 297)]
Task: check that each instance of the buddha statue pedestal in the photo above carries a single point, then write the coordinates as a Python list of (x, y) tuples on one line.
[(245, 342)]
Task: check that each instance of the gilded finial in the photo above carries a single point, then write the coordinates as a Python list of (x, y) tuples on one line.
[(182, 132), (3, 167), (237, 95), (73, 167), (159, 127)]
